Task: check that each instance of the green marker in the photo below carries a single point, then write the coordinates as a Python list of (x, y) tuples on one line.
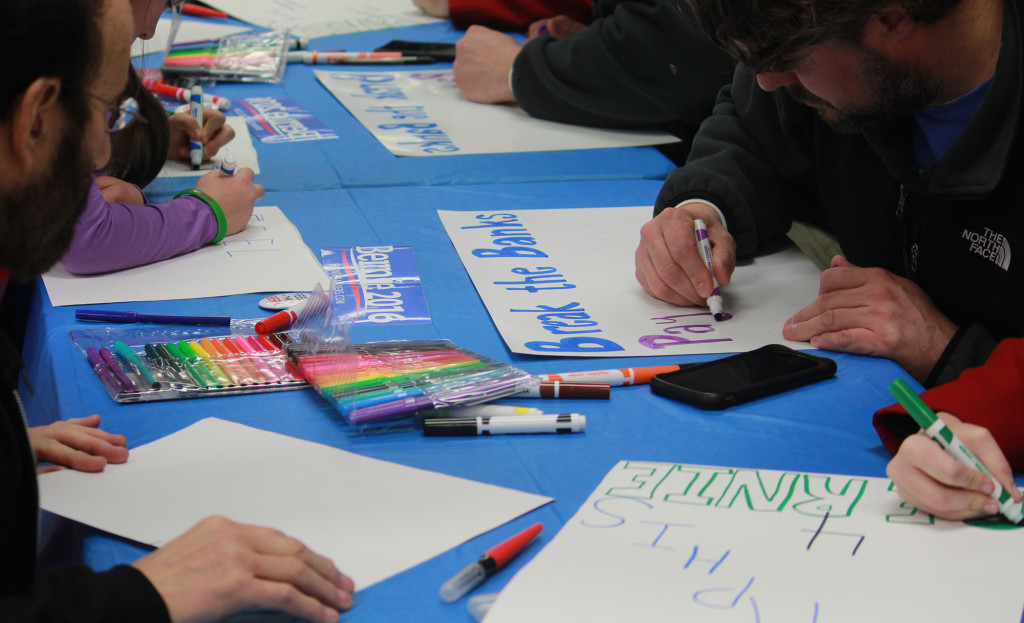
[(133, 360), (937, 430), (186, 364), (198, 364)]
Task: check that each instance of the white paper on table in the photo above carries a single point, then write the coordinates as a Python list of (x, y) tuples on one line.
[(323, 18), (562, 282), (372, 518), (189, 30), (267, 256), (241, 147), (423, 113), (664, 543)]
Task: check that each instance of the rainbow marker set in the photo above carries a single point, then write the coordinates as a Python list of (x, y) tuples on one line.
[(381, 382), (191, 367), (259, 57)]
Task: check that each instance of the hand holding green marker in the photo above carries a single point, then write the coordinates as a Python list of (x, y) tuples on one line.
[(935, 428)]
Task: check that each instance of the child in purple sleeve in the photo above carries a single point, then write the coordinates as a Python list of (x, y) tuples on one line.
[(119, 229)]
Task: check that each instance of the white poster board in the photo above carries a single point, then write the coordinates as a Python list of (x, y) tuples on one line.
[(267, 256), (423, 113), (562, 282), (665, 543), (384, 521), (322, 18)]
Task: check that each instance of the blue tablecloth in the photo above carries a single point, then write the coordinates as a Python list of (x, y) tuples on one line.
[(820, 428), (358, 159)]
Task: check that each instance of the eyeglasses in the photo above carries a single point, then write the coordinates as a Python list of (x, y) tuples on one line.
[(122, 115)]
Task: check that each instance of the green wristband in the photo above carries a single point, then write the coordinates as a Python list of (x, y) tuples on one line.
[(218, 212)]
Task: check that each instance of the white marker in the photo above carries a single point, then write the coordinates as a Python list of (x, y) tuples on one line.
[(228, 165), (505, 425)]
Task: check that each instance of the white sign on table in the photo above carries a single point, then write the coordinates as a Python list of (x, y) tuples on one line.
[(323, 18), (423, 113), (240, 147), (562, 282), (664, 543), (372, 518), (267, 256)]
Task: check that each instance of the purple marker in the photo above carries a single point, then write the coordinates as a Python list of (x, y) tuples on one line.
[(393, 410), (115, 367), (103, 315), (715, 300), (101, 371)]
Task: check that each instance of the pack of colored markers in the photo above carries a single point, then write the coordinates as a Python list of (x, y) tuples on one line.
[(376, 384), (142, 363), (247, 57)]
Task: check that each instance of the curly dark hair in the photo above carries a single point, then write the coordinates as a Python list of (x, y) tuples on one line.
[(765, 35)]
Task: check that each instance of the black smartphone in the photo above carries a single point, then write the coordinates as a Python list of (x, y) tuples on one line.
[(439, 51), (740, 378)]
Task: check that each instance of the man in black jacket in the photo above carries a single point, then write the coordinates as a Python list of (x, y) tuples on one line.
[(67, 63), (639, 64), (897, 122)]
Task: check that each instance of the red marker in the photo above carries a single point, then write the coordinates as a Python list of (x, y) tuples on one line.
[(280, 320), (201, 11), (495, 558), (614, 377), (182, 95)]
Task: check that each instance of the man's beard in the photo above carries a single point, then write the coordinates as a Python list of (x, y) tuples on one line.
[(37, 219), (897, 90)]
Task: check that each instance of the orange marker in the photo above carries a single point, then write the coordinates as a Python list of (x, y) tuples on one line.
[(615, 377)]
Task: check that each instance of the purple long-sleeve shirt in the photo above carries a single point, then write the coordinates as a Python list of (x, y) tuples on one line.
[(114, 236)]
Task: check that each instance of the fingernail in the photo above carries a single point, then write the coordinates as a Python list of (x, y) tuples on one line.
[(987, 488), (991, 508)]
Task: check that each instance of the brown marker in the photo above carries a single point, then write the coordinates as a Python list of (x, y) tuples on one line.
[(564, 389)]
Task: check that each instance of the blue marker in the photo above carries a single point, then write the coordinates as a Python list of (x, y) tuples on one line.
[(195, 105)]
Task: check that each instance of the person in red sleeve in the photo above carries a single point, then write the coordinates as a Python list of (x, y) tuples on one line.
[(514, 15), (984, 408)]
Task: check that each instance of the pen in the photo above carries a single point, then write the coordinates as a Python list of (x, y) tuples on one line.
[(102, 315), (615, 377), (935, 428), (562, 389), (325, 57), (479, 410), (100, 368), (115, 367), (228, 165), (201, 11), (700, 230), (504, 425), (195, 151), (495, 558), (356, 58), (183, 95), (128, 355)]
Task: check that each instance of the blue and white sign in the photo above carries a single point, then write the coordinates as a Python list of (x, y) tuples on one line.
[(281, 120), (561, 282), (423, 113), (381, 283)]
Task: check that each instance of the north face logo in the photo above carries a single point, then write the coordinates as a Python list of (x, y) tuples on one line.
[(991, 246)]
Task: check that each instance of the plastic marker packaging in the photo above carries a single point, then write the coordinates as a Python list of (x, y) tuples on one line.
[(142, 363), (385, 386)]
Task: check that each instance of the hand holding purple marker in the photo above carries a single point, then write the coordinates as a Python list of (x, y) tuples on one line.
[(700, 230)]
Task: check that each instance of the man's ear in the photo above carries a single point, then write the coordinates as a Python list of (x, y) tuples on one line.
[(889, 26), (36, 125)]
